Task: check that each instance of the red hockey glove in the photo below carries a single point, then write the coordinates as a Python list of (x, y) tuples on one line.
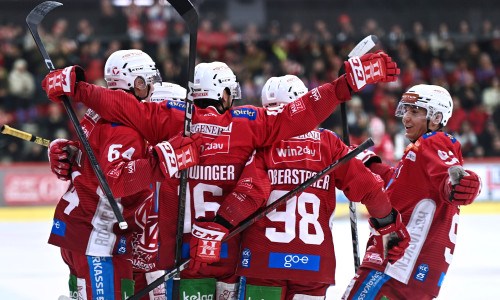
[(463, 186), (62, 82), (370, 68), (391, 235), (367, 156), (205, 244), (178, 153), (62, 154)]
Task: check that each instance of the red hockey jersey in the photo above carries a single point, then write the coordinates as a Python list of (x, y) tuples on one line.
[(228, 141), (294, 242), (415, 188), (84, 221)]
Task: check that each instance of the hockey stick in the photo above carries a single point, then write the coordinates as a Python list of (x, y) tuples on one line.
[(33, 19), (6, 129), (262, 212), (189, 14), (361, 48)]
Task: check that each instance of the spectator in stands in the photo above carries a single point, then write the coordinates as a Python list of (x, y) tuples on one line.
[(253, 59), (467, 139), (491, 95), (21, 83), (112, 23), (485, 71)]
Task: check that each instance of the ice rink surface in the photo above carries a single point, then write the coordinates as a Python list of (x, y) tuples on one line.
[(32, 269)]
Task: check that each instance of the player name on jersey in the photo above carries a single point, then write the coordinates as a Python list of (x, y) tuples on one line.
[(296, 177), (211, 172)]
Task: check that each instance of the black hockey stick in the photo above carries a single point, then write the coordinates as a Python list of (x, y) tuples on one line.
[(262, 212), (6, 129), (189, 14), (360, 49), (33, 19)]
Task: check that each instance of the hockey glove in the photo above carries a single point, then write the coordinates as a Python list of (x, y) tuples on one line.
[(62, 155), (62, 82), (370, 68), (178, 153), (205, 244), (367, 156), (391, 236), (463, 186)]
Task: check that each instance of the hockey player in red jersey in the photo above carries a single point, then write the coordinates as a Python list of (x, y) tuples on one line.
[(101, 257), (289, 254), (428, 186), (229, 137)]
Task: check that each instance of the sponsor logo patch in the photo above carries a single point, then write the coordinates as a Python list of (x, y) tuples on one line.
[(122, 246), (246, 256), (315, 94), (296, 106), (411, 156), (373, 257), (248, 113), (371, 285), (177, 105), (290, 151), (294, 261), (58, 228), (409, 98), (218, 145), (421, 272)]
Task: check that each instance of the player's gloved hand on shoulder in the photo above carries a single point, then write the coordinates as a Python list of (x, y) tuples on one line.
[(370, 68), (205, 244), (62, 155), (462, 187), (391, 235), (178, 153), (367, 156), (63, 82)]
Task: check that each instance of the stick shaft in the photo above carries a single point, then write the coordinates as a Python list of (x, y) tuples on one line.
[(6, 129), (33, 19)]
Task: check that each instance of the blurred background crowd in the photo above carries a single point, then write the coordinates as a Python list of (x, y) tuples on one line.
[(460, 55)]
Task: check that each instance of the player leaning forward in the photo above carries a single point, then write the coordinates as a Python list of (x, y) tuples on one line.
[(229, 137), (105, 261), (290, 253), (427, 190)]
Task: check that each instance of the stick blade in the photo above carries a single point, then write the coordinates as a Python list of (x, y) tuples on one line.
[(364, 46), (37, 14)]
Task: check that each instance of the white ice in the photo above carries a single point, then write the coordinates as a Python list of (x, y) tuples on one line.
[(32, 269)]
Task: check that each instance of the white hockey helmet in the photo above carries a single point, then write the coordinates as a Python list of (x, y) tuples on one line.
[(435, 99), (124, 66), (282, 90), (211, 79), (168, 91)]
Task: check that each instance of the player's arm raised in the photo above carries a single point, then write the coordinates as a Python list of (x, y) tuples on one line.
[(307, 112)]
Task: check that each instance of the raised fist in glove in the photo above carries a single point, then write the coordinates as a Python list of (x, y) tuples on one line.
[(463, 186), (62, 82), (370, 68), (367, 156), (205, 244), (391, 236), (178, 153), (62, 155)]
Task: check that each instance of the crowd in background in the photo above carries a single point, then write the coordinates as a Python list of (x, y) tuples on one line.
[(465, 62)]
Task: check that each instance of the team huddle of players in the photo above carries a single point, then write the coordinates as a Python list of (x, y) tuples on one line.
[(240, 159)]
